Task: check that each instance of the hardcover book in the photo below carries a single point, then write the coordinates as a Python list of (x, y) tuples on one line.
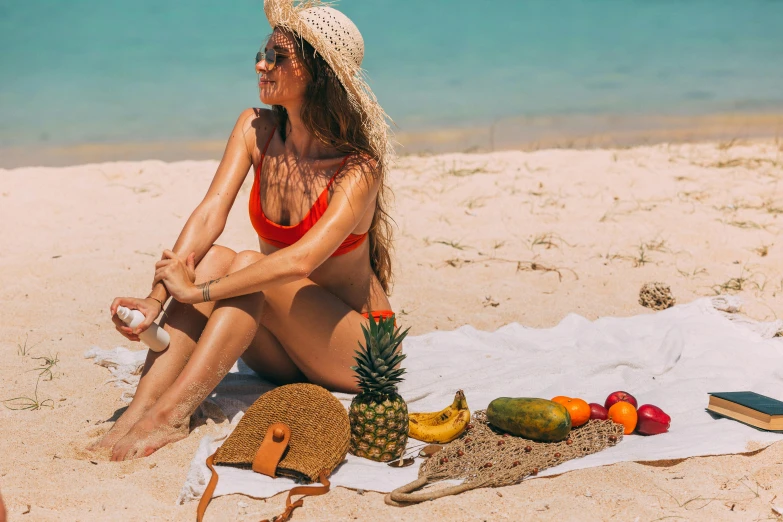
[(751, 408)]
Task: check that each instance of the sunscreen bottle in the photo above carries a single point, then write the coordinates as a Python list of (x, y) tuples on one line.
[(155, 337)]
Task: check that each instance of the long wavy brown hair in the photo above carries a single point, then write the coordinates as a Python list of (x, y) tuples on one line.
[(328, 115)]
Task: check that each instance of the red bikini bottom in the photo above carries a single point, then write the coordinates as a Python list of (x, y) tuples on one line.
[(379, 314)]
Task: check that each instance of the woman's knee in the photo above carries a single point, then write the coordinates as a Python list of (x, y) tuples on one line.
[(191, 319), (215, 263), (244, 259)]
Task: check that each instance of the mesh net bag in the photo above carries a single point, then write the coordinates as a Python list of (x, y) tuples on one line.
[(487, 457)]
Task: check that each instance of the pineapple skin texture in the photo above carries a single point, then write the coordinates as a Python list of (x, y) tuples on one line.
[(379, 427)]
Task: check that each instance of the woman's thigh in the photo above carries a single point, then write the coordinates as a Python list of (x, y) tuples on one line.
[(318, 331), (267, 357), (305, 333)]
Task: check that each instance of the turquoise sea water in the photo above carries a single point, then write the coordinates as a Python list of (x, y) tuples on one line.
[(109, 71)]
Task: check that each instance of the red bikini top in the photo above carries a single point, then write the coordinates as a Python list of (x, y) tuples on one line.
[(282, 236)]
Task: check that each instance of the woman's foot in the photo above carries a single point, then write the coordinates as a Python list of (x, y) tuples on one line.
[(122, 426), (148, 435)]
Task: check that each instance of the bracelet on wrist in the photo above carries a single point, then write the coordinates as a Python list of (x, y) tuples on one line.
[(158, 300)]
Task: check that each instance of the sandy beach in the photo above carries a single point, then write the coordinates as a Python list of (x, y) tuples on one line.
[(484, 239)]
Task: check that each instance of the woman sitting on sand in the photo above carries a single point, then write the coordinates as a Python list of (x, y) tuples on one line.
[(293, 311)]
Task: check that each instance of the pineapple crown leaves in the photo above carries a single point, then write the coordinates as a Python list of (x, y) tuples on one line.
[(377, 360)]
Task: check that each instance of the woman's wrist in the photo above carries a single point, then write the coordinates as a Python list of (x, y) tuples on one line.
[(160, 310), (193, 296), (159, 292), (205, 290)]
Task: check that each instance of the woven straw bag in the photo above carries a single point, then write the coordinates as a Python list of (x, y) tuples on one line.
[(300, 431)]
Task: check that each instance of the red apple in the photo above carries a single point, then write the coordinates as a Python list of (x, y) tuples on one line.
[(598, 412), (652, 420), (620, 396)]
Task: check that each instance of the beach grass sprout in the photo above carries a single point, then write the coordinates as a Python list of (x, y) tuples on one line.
[(744, 224), (457, 262), (547, 240), (762, 251), (453, 244), (696, 271), (29, 403), (475, 202), (739, 283), (23, 349), (45, 366), (624, 208), (521, 266), (656, 245), (461, 172), (535, 266), (641, 259)]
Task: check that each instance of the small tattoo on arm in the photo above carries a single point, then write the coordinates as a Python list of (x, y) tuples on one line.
[(205, 288)]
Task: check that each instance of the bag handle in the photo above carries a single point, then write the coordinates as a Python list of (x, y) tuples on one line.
[(306, 491), (207, 496), (268, 456), (405, 494)]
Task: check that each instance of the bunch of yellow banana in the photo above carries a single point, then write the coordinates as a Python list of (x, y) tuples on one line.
[(441, 426)]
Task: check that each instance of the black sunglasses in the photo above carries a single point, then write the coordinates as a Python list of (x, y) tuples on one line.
[(270, 56)]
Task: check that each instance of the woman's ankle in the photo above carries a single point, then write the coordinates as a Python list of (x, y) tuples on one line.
[(169, 415), (139, 406)]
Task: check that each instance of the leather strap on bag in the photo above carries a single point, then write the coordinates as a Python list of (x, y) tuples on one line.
[(207, 496), (268, 456), (271, 450), (306, 491)]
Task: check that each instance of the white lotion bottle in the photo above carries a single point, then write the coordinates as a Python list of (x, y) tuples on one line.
[(155, 337)]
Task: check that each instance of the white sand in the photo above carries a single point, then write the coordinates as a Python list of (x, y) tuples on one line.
[(471, 227)]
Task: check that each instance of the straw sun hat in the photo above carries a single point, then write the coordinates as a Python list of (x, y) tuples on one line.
[(337, 39)]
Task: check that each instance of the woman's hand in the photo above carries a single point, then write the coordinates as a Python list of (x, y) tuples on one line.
[(151, 309), (178, 276)]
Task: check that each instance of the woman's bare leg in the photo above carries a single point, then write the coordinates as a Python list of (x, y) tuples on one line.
[(318, 331), (231, 328), (184, 323), (267, 357), (289, 332)]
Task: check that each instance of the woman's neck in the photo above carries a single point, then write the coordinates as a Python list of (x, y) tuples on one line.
[(300, 142)]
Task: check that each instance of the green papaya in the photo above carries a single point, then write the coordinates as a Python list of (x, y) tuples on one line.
[(535, 419)]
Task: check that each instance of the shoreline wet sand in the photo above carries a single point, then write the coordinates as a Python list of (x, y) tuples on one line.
[(513, 133)]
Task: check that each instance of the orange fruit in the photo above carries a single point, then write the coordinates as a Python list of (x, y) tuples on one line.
[(624, 413), (577, 408)]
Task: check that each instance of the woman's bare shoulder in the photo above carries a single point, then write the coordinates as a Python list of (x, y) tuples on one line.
[(256, 118), (361, 164), (360, 170), (254, 125)]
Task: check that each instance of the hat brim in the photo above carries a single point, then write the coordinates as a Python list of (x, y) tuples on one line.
[(285, 14)]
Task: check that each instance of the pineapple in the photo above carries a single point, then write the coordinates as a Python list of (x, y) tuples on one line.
[(378, 415)]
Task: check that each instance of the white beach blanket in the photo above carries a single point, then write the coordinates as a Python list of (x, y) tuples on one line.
[(671, 359)]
